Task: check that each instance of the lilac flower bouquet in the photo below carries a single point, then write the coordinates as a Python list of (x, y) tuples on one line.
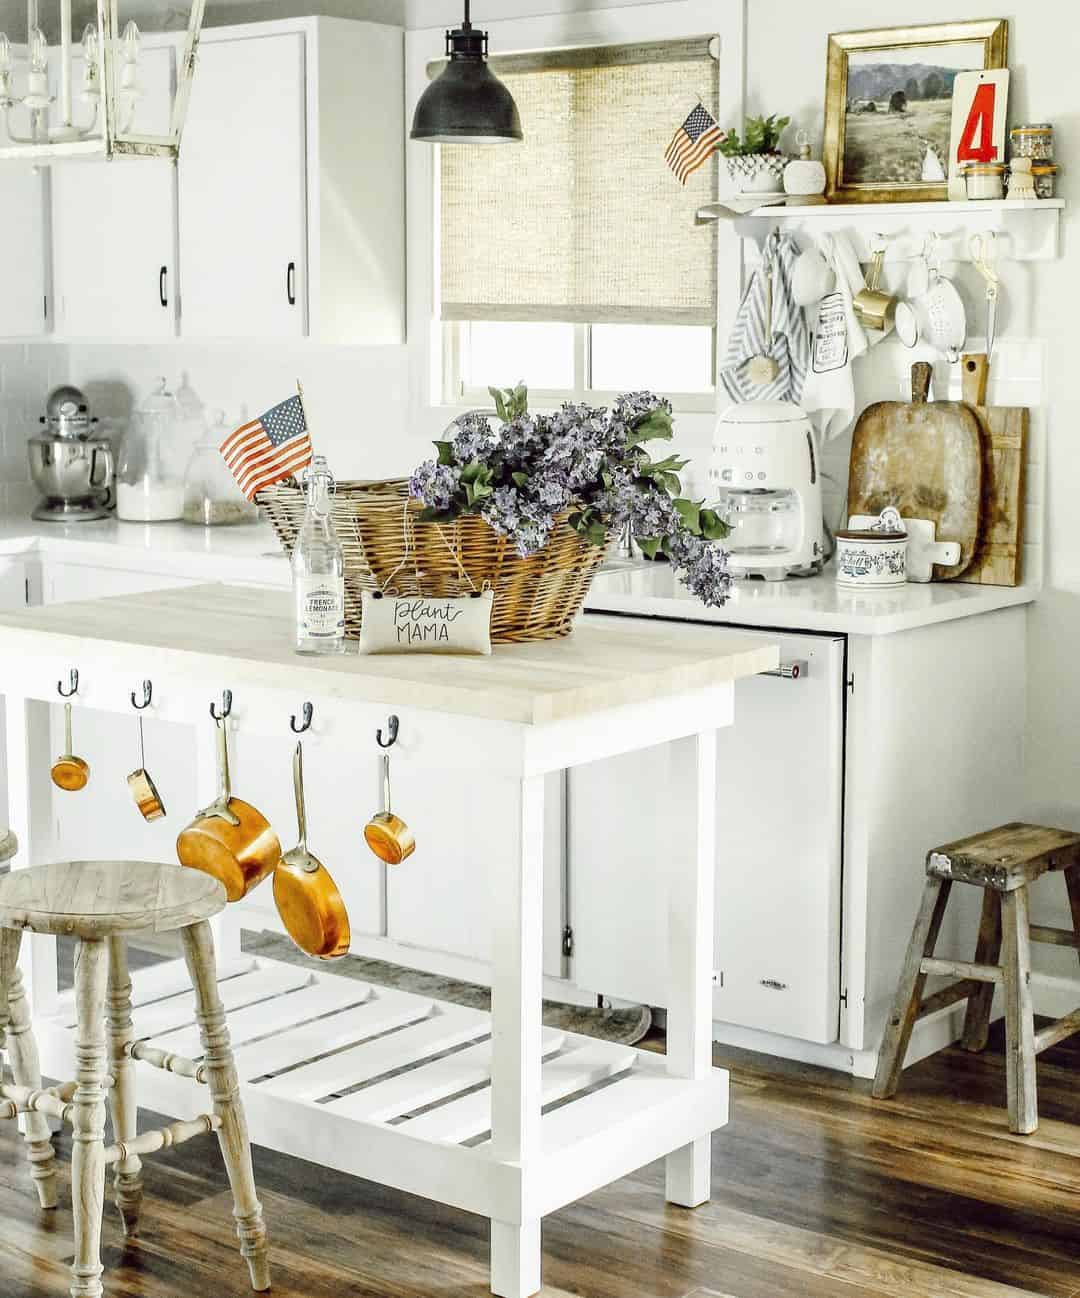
[(590, 461)]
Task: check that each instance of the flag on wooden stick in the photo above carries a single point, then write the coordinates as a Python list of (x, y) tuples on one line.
[(270, 448), (693, 143)]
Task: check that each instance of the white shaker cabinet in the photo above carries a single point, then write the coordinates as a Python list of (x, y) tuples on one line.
[(22, 204), (114, 229), (291, 184)]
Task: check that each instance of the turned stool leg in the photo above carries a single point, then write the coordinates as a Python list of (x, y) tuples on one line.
[(88, 1117), (1072, 883), (122, 1102), (905, 1009), (225, 1093), (987, 951), (22, 1053), (1019, 1015)]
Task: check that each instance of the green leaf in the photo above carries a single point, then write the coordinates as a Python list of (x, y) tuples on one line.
[(446, 452), (670, 482), (520, 479), (649, 545), (713, 527), (690, 513), (654, 425), (476, 471), (430, 515)]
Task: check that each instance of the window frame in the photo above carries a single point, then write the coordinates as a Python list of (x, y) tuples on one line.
[(455, 393), (430, 341)]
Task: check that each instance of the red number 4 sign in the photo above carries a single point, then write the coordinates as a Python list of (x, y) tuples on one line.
[(978, 122)]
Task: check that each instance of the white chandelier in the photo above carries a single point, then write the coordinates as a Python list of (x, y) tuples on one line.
[(83, 100)]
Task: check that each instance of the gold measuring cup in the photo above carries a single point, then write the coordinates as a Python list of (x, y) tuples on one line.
[(387, 835), (68, 771)]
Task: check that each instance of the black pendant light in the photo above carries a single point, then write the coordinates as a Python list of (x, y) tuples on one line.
[(466, 103)]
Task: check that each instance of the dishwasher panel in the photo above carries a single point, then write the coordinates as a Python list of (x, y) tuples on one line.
[(778, 894)]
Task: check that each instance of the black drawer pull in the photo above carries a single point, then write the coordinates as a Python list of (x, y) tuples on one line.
[(162, 286), (290, 283)]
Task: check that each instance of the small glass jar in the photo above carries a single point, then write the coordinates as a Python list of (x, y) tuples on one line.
[(984, 179), (1045, 176), (1035, 141), (211, 496)]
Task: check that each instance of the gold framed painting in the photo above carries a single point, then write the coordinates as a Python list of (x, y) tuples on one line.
[(888, 106)]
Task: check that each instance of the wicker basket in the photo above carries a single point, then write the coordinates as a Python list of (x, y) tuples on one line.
[(386, 548)]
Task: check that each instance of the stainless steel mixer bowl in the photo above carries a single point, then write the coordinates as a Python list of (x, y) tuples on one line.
[(70, 471)]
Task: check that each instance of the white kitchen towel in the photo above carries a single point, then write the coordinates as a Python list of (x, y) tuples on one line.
[(785, 338), (828, 396)]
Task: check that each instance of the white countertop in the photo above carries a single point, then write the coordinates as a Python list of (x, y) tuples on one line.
[(801, 604), (250, 554), (195, 630)]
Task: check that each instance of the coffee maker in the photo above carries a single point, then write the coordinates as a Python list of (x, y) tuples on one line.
[(72, 468), (766, 479)]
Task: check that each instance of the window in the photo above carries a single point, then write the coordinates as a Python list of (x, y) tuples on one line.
[(573, 261)]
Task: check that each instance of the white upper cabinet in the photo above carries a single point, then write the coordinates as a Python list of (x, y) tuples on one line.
[(114, 229), (291, 193), (22, 203), (243, 239)]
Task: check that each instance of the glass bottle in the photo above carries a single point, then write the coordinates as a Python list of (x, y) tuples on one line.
[(318, 570)]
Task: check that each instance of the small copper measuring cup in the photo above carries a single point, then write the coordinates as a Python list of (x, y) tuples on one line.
[(68, 771), (143, 789), (387, 835)]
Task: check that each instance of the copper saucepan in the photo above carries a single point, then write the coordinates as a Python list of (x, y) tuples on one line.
[(388, 836), (229, 839), (68, 771), (306, 896)]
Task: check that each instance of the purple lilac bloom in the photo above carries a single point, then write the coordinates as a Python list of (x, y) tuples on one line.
[(434, 484), (474, 438)]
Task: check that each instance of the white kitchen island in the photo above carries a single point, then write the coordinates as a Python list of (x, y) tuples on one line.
[(489, 1113)]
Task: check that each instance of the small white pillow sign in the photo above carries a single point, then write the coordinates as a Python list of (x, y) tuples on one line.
[(394, 624)]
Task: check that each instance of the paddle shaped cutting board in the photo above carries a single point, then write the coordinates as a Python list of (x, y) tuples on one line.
[(999, 553), (926, 459)]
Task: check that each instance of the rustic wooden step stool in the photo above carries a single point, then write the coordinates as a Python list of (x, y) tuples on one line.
[(1003, 862), (100, 903)]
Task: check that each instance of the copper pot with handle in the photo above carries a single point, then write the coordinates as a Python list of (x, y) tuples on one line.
[(229, 839), (306, 896)]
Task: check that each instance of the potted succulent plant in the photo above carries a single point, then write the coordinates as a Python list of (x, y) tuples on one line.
[(755, 163)]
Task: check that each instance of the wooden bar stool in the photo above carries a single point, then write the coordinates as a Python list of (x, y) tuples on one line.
[(1003, 862), (100, 903)]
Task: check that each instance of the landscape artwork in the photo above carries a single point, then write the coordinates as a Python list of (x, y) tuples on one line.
[(888, 108), (898, 113)]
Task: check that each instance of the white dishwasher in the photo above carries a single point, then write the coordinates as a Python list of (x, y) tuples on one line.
[(778, 880)]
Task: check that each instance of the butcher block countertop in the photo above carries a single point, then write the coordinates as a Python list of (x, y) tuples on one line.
[(197, 629)]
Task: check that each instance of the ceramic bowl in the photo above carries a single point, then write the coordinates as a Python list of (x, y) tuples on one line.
[(871, 559)]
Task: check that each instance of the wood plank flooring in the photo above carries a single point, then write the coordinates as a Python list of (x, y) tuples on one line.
[(819, 1193)]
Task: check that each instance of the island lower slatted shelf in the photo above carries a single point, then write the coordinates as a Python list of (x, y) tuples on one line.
[(395, 1086)]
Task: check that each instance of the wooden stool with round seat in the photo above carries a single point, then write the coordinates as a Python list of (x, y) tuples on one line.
[(1003, 862), (101, 903)]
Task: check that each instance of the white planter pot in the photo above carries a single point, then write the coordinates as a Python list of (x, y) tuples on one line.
[(757, 173)]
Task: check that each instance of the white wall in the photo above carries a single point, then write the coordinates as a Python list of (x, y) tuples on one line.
[(27, 373)]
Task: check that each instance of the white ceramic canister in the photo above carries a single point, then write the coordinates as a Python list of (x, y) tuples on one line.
[(871, 559)]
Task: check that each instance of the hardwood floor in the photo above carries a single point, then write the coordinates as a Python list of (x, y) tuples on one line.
[(819, 1192)]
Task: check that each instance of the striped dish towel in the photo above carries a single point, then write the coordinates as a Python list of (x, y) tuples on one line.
[(790, 343)]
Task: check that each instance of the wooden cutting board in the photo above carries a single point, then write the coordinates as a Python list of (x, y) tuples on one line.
[(999, 552), (925, 458)]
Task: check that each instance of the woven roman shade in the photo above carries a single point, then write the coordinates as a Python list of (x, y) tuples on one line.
[(584, 221)]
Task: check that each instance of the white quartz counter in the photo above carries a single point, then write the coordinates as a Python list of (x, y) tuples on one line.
[(249, 554)]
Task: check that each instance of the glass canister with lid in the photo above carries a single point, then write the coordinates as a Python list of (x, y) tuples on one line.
[(1033, 140), (150, 475), (211, 496)]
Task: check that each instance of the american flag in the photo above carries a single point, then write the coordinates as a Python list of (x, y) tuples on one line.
[(693, 142), (265, 450)]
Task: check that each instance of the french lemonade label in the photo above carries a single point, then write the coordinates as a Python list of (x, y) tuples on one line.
[(320, 607)]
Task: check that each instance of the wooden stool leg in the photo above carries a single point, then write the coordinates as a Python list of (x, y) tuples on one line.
[(987, 951), (1072, 883), (21, 1047), (1019, 1016), (909, 991), (88, 1118), (225, 1093), (122, 1101)]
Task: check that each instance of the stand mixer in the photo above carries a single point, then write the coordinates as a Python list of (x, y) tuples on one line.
[(71, 468), (767, 482)]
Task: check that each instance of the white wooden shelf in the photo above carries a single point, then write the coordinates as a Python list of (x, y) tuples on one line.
[(396, 1087), (1027, 231)]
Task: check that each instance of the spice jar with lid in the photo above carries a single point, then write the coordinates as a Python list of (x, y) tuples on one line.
[(984, 179), (1045, 177), (150, 476), (211, 496), (1035, 141)]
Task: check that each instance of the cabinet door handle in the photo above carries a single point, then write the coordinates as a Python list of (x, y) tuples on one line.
[(162, 286), (290, 283)]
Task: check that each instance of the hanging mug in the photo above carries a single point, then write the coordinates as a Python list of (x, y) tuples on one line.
[(387, 835), (874, 308)]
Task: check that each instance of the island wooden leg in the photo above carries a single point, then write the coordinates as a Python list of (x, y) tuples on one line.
[(225, 1094), (516, 1026), (88, 1117), (122, 1101), (691, 874), (18, 1038)]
